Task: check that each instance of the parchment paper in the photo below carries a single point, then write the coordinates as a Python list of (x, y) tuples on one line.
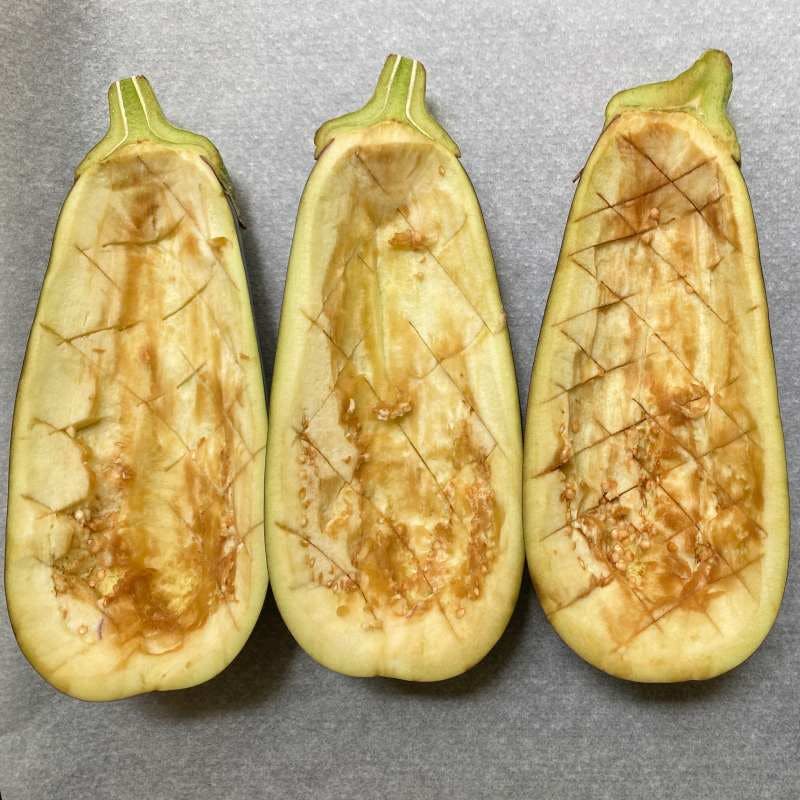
[(521, 86)]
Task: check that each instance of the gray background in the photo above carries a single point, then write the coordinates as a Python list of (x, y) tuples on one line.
[(521, 87)]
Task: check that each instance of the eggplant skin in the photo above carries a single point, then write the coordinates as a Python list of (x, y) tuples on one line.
[(656, 500), (394, 460), (134, 545)]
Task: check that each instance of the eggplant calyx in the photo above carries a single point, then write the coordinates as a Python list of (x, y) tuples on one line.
[(398, 96), (135, 116), (702, 90)]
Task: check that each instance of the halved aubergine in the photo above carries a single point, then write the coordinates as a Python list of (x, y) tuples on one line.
[(656, 507), (134, 553), (394, 464)]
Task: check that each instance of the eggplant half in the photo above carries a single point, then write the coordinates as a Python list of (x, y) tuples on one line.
[(394, 463), (656, 504), (134, 547)]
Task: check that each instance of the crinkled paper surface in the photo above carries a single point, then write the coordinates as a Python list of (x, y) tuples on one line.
[(521, 86)]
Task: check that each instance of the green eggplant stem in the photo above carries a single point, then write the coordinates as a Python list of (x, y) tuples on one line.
[(135, 116), (398, 96), (702, 90)]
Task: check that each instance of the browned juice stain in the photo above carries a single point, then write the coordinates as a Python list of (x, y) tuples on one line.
[(155, 545), (399, 512), (659, 457)]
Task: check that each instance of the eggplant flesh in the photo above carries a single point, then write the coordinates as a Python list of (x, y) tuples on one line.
[(655, 480), (134, 555), (394, 465)]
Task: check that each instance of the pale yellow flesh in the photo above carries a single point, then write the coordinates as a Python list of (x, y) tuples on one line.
[(394, 463), (135, 556), (655, 482)]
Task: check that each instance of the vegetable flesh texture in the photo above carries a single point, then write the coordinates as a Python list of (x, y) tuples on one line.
[(135, 539), (657, 516), (394, 462)]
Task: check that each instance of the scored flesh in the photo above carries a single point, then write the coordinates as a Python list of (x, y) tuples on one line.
[(135, 556), (655, 481), (394, 536)]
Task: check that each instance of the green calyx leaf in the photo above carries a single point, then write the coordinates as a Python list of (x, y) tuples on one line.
[(135, 115), (702, 90), (399, 96)]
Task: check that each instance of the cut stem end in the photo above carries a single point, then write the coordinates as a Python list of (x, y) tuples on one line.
[(702, 90), (400, 96), (135, 115)]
